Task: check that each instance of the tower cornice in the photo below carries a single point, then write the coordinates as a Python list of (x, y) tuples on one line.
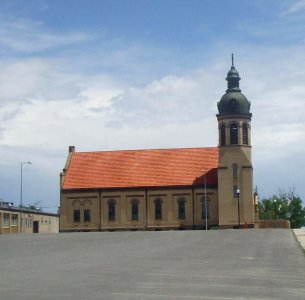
[(234, 116)]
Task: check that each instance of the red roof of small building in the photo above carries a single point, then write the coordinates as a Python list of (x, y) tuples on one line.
[(142, 168)]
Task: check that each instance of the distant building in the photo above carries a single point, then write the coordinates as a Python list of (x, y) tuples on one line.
[(166, 188), (32, 221)]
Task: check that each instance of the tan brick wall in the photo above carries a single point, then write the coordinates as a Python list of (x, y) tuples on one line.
[(9, 222), (80, 201), (241, 155), (99, 202), (47, 223)]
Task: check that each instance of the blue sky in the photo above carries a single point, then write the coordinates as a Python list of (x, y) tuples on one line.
[(106, 75)]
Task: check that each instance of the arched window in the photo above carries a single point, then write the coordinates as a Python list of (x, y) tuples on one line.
[(87, 203), (223, 135), (76, 215), (87, 215), (234, 171), (181, 208), (111, 210), (205, 207), (158, 209), (134, 209), (245, 134), (76, 210), (233, 134)]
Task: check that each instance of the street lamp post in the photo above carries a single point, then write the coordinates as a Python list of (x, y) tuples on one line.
[(205, 202), (238, 192), (274, 202), (21, 171), (289, 211)]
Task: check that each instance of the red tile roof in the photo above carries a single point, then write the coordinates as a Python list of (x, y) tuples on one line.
[(142, 168)]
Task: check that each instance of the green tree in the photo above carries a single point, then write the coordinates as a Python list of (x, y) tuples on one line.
[(285, 206), (297, 213), (34, 206)]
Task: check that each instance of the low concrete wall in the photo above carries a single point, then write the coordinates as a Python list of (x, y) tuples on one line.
[(273, 224)]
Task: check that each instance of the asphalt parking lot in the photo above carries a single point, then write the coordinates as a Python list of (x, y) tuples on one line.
[(221, 264)]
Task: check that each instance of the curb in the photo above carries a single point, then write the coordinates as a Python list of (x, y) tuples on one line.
[(299, 235)]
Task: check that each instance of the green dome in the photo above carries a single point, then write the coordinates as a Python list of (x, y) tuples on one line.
[(233, 101)]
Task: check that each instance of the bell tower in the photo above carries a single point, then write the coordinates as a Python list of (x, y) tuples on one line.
[(235, 171)]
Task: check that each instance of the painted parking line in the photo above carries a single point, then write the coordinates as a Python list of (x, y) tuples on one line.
[(173, 296), (290, 277)]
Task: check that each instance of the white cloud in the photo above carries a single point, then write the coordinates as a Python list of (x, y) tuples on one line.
[(98, 93), (28, 36), (68, 105), (173, 99), (296, 7), (26, 79), (95, 106)]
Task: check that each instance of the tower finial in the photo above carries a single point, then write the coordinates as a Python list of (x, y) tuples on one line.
[(233, 77)]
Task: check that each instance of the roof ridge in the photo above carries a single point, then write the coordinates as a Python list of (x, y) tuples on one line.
[(150, 149)]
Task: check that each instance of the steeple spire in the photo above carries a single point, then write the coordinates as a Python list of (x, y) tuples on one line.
[(233, 78), (233, 101)]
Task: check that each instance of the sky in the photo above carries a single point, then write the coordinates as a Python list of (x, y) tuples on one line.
[(111, 75)]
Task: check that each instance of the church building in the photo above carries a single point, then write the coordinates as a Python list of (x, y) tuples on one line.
[(162, 189)]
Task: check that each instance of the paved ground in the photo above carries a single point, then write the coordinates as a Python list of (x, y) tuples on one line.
[(174, 265)]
